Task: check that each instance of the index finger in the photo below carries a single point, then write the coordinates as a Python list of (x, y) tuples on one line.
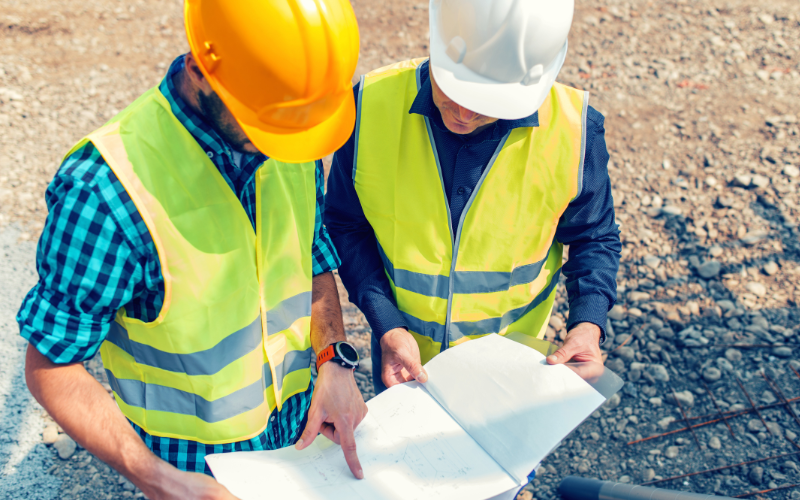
[(348, 440)]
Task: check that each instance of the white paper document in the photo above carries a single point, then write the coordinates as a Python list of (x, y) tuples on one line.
[(490, 412)]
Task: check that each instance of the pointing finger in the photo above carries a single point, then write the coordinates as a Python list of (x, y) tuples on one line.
[(348, 441)]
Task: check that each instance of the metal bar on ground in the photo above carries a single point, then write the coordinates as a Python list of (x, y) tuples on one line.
[(717, 469), (752, 404), (784, 487), (778, 390), (686, 421), (714, 400)]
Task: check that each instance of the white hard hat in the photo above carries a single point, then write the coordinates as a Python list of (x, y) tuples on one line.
[(499, 58)]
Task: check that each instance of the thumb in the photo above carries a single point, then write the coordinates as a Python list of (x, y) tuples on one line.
[(313, 425), (564, 354), (413, 366)]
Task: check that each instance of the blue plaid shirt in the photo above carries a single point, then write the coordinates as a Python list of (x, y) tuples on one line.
[(96, 255)]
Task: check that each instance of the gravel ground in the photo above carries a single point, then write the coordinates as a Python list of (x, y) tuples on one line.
[(700, 100)]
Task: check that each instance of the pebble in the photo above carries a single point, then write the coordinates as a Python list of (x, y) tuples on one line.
[(756, 288), (742, 180), (637, 296), (635, 312), (715, 251), (755, 425), (724, 365), (664, 422), (50, 434), (671, 210), (791, 171), (771, 268), (756, 475), (672, 452), (712, 374), (685, 398), (782, 352), (649, 474), (556, 322), (525, 495), (714, 443), (613, 401), (617, 313), (709, 269), (627, 353), (760, 181), (655, 401), (652, 261), (365, 365), (658, 372), (65, 446)]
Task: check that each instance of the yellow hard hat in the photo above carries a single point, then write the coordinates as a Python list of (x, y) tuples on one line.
[(282, 67)]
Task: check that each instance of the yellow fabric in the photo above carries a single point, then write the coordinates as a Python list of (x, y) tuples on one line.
[(509, 224), (219, 277)]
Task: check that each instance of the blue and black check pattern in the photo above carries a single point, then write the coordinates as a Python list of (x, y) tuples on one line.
[(96, 256)]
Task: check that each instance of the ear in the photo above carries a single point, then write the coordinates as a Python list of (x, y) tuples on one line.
[(196, 76)]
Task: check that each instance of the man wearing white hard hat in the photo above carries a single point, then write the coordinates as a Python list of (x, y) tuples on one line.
[(465, 176)]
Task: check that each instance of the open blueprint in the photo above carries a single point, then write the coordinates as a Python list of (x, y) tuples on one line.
[(491, 410)]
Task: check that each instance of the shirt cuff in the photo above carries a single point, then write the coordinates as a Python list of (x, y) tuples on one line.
[(382, 314), (589, 309)]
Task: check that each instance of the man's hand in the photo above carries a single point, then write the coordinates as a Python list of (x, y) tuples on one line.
[(169, 483), (581, 344), (337, 408), (400, 361)]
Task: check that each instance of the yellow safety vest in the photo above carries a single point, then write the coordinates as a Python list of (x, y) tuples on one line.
[(497, 271), (232, 339)]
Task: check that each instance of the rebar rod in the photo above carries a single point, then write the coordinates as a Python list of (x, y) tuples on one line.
[(751, 404), (714, 400)]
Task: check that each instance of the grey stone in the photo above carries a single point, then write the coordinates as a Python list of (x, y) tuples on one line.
[(733, 355), (742, 180), (782, 352), (709, 269), (775, 429), (771, 268), (715, 251), (767, 397), (365, 365), (724, 365), (664, 422), (613, 401), (755, 425), (757, 289), (712, 374), (726, 305), (626, 353), (652, 261), (714, 443), (65, 446), (671, 210), (666, 333), (756, 475), (617, 313), (685, 398), (672, 452), (637, 296), (50, 434), (760, 181), (655, 401), (616, 365), (658, 372)]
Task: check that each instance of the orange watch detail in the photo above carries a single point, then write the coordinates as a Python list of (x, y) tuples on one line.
[(327, 354)]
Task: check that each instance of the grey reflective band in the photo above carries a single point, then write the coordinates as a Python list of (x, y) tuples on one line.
[(459, 329), (227, 350), (358, 125), (282, 316), (464, 282), (207, 362), (584, 114), (154, 397)]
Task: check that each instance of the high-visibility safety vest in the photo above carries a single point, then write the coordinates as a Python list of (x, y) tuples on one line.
[(232, 339), (497, 271)]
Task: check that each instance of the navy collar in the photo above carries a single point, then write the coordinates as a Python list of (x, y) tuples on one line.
[(423, 105)]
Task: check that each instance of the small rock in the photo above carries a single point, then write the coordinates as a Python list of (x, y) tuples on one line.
[(767, 397), (760, 181), (626, 352), (65, 446), (712, 374), (726, 305), (664, 422), (715, 251), (635, 312), (672, 452), (791, 171), (742, 180), (685, 398), (649, 474), (525, 495), (658, 372), (753, 237), (652, 261), (556, 322), (756, 475), (709, 269), (755, 425), (671, 210), (625, 479), (636, 296), (757, 289), (711, 181), (775, 429), (782, 352), (365, 365), (617, 313), (771, 268), (655, 401), (50, 434), (613, 401), (714, 443)]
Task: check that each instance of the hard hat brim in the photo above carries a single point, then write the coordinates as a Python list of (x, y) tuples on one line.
[(310, 144), (477, 93)]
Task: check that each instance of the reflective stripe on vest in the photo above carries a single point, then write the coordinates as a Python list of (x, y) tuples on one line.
[(496, 272), (231, 342)]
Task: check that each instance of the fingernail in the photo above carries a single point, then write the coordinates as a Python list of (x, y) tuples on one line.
[(552, 358), (422, 377), (360, 474), (299, 444)]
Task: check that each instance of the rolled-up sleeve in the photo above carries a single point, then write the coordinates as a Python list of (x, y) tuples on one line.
[(323, 254), (87, 270), (589, 227)]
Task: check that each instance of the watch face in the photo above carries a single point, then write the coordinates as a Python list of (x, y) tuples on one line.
[(347, 352)]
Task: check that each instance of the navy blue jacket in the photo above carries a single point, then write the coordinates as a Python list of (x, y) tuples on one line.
[(587, 225)]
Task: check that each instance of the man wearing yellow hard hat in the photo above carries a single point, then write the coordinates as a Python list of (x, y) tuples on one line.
[(464, 178), (184, 242)]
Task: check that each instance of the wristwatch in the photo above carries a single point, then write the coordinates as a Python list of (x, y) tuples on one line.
[(341, 352)]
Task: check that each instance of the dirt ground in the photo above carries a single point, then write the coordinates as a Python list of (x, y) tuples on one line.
[(701, 106)]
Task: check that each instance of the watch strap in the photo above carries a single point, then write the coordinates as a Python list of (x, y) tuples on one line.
[(326, 354)]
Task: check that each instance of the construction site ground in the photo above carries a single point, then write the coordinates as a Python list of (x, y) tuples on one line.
[(701, 106)]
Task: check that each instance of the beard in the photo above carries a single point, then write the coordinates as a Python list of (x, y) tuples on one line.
[(214, 112)]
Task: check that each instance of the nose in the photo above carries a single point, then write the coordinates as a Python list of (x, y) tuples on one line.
[(466, 115)]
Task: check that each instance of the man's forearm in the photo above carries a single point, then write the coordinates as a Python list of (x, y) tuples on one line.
[(81, 406), (326, 313)]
